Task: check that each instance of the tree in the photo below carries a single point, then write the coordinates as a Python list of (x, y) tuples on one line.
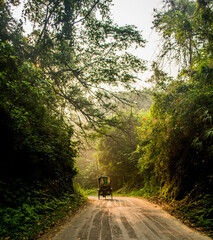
[(35, 143), (176, 147), (83, 54), (186, 29), (117, 150)]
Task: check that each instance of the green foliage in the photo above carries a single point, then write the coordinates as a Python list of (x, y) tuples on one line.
[(186, 28), (88, 169), (35, 143), (35, 211), (91, 192), (78, 52), (198, 210), (176, 146), (117, 153)]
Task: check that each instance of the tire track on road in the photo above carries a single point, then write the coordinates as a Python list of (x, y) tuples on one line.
[(106, 228), (96, 226), (125, 219), (160, 224), (128, 227)]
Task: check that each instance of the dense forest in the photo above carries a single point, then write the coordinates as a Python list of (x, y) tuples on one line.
[(70, 83)]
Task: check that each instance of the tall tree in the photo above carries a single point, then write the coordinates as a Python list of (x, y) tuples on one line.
[(186, 29), (83, 54), (35, 143)]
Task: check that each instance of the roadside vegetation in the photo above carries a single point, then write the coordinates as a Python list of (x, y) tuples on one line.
[(28, 213)]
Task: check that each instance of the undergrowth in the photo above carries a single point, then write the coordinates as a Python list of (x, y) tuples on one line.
[(199, 211), (91, 192), (25, 213)]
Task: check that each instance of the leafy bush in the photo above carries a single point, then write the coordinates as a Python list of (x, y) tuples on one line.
[(198, 210), (38, 211), (91, 192)]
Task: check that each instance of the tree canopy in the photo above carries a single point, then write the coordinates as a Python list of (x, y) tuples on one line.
[(83, 53), (57, 76), (186, 30)]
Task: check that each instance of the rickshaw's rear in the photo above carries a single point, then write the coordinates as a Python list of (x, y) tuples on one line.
[(104, 186)]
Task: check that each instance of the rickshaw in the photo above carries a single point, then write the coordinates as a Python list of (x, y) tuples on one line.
[(105, 188)]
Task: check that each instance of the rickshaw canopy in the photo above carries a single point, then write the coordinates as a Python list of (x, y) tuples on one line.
[(104, 180)]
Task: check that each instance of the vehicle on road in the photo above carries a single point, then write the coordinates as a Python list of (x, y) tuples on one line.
[(104, 184)]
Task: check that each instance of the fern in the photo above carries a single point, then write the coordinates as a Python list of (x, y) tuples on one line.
[(208, 134), (206, 117), (197, 144)]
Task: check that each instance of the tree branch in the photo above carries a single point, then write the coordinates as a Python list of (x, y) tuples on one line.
[(88, 13)]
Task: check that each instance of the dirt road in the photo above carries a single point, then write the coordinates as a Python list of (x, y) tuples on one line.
[(125, 218)]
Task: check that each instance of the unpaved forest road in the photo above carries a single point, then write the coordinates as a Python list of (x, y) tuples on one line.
[(125, 218)]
